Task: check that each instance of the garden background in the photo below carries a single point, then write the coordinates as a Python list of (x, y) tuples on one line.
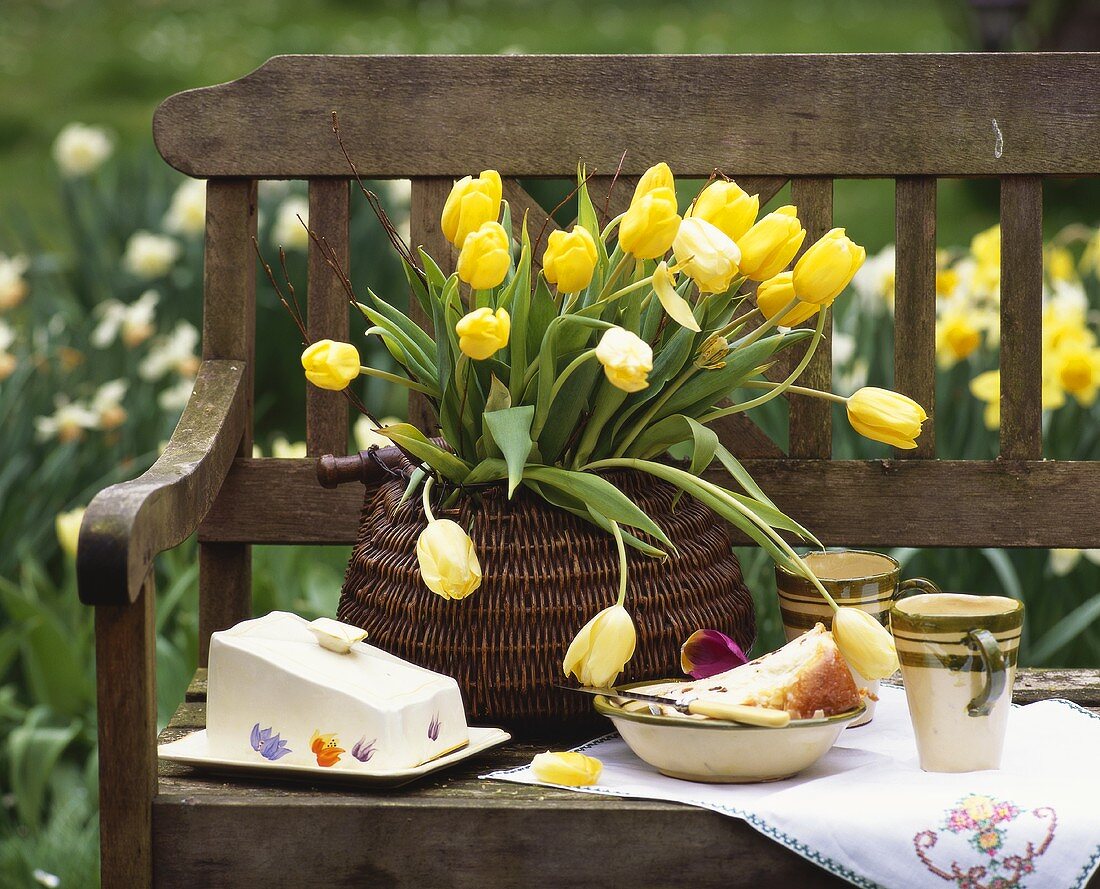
[(100, 292)]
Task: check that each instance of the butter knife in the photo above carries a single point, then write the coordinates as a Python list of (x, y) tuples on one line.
[(742, 713)]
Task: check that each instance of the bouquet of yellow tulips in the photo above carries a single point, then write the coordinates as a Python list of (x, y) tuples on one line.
[(601, 352)]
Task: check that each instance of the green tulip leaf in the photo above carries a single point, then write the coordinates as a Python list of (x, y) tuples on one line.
[(416, 443), (511, 431)]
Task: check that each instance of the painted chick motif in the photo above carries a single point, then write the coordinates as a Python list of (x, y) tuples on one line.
[(326, 748)]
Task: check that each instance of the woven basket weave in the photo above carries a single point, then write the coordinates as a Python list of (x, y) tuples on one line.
[(546, 573)]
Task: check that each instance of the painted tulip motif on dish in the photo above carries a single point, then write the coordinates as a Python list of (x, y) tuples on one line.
[(268, 744), (326, 748), (563, 357)]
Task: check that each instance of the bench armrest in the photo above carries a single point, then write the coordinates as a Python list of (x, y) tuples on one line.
[(128, 524)]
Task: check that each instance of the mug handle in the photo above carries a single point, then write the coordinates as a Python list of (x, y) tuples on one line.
[(913, 586), (993, 662)]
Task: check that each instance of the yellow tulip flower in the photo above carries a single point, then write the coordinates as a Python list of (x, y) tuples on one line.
[(601, 649), (569, 769), (570, 259), (649, 227), (726, 206), (866, 644), (67, 525), (889, 417), (664, 285), (627, 359), (481, 332), (657, 176), (706, 255), (448, 560), (769, 246), (827, 267), (471, 203), (331, 365), (485, 256), (775, 293)]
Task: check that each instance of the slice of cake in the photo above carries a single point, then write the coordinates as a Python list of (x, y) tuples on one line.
[(807, 677), (286, 690)]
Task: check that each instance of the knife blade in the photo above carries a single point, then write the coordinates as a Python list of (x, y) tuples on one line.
[(742, 713)]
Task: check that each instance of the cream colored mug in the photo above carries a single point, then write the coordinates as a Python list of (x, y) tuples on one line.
[(958, 661)]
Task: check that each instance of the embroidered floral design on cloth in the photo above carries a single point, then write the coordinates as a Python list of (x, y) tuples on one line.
[(1003, 842), (268, 745), (326, 748)]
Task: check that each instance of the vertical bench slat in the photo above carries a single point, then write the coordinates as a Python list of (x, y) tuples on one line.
[(1021, 317), (327, 412), (811, 426), (229, 331), (915, 302), (426, 205)]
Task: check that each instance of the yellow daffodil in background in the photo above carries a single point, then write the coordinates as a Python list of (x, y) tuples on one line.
[(706, 255), (482, 332), (570, 259), (958, 335), (600, 651), (886, 416), (657, 176), (678, 309), (13, 284), (569, 768), (485, 256), (80, 150), (727, 207), (827, 267), (1058, 264), (776, 293), (986, 387), (866, 644), (67, 525), (1078, 372), (985, 249), (471, 203), (331, 365), (627, 359), (649, 227), (1090, 258), (769, 246), (448, 560)]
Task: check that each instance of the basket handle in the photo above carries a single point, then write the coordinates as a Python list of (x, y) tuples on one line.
[(370, 467)]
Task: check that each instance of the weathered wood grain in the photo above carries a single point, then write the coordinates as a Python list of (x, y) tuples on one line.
[(811, 423), (1021, 317), (915, 303), (327, 310), (819, 115), (744, 438), (845, 502)]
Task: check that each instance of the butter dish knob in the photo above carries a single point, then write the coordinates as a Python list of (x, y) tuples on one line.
[(336, 636)]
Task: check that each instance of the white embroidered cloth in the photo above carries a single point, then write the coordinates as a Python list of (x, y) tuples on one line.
[(867, 812)]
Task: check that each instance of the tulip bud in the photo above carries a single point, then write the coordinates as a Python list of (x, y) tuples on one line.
[(727, 207), (664, 285), (601, 649), (776, 293), (471, 203), (67, 525), (649, 227), (827, 267), (886, 416), (657, 176), (626, 358), (866, 644), (570, 259), (331, 365), (448, 561), (768, 247), (706, 255), (709, 652), (569, 769), (485, 256), (481, 333)]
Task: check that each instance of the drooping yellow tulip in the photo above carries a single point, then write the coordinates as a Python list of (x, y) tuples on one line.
[(600, 651), (657, 176), (448, 560), (727, 207), (775, 293), (889, 417), (827, 267), (627, 359), (649, 227), (482, 332), (471, 203), (706, 255), (485, 256), (330, 364), (664, 285), (570, 259), (569, 768), (769, 246), (866, 644)]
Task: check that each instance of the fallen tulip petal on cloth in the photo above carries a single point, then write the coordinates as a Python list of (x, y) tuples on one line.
[(909, 825)]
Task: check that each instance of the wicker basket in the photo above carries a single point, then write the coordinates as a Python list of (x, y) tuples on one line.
[(546, 573)]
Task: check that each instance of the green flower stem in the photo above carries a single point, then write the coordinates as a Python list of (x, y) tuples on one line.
[(622, 561), (619, 268), (544, 408), (768, 324), (639, 427), (401, 381), (611, 226), (797, 390), (739, 321), (781, 387), (425, 499)]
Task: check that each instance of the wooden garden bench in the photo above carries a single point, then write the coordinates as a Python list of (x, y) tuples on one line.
[(763, 119)]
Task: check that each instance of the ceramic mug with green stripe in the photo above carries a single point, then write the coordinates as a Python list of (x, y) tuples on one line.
[(855, 578), (958, 661)]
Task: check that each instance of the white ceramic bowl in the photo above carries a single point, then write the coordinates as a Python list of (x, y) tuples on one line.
[(719, 752)]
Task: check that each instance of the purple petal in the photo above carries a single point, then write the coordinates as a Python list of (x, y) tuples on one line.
[(363, 749), (708, 652), (254, 739), (280, 753)]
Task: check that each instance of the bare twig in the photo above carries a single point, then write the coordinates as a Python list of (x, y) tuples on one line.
[(610, 189)]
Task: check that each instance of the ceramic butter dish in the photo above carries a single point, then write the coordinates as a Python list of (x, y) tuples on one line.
[(288, 691)]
